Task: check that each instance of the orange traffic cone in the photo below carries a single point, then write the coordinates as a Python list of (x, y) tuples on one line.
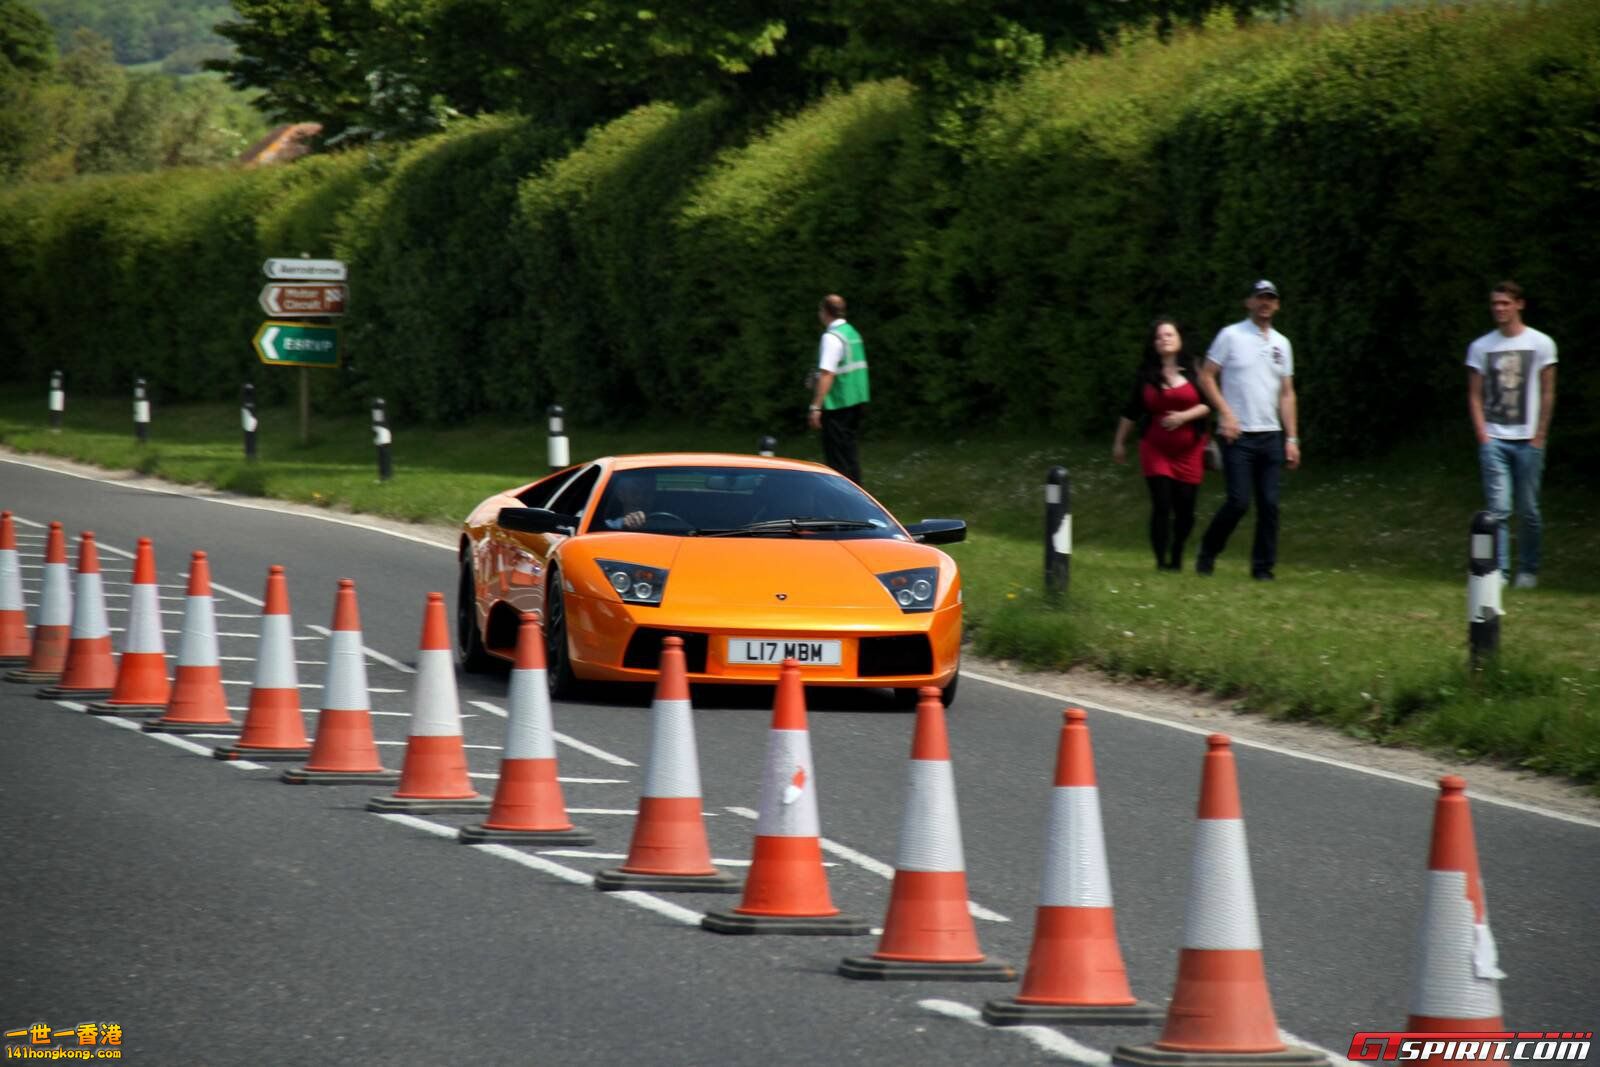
[(344, 751), (48, 657), (1221, 1010), (434, 776), (1075, 972), (669, 848), (142, 687), (528, 806), (14, 643), (929, 933), (786, 891), (273, 727), (90, 670), (197, 704), (1456, 984)]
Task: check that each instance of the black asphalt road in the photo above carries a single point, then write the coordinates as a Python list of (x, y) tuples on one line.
[(221, 917)]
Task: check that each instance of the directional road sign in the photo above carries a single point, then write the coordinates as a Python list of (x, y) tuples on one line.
[(294, 300), (294, 344), (320, 270)]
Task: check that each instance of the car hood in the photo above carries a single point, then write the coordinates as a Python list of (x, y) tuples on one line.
[(807, 572)]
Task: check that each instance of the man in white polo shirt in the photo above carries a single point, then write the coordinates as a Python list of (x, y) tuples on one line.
[(1511, 395), (1255, 403)]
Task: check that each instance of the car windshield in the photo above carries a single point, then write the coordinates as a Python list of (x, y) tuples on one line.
[(739, 502)]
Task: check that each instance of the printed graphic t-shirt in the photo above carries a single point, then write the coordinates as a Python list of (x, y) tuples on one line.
[(1254, 365), (1509, 369)]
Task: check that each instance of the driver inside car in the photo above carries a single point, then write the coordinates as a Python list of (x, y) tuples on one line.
[(628, 500)]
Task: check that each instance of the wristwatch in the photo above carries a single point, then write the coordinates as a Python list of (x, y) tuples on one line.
[(816, 407), (1294, 440)]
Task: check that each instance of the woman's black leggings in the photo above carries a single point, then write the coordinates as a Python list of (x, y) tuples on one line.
[(1171, 518)]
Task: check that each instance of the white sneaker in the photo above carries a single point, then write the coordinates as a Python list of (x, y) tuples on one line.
[(1526, 581)]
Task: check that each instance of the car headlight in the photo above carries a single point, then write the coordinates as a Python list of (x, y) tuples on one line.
[(634, 583), (914, 589)]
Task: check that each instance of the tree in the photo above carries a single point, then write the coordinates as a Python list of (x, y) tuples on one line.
[(26, 41)]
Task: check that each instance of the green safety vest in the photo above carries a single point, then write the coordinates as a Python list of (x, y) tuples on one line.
[(850, 380)]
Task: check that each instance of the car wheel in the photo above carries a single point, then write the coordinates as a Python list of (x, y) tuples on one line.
[(558, 657), (475, 659), (906, 699), (948, 696)]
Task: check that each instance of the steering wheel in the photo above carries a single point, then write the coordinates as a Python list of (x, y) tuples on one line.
[(679, 519)]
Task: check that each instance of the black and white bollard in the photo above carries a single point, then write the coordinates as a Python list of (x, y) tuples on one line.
[(767, 446), (382, 438), (141, 412), (58, 400), (1483, 589), (1057, 531), (247, 419), (559, 459)]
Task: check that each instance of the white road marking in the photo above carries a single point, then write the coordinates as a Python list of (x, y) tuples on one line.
[(1333, 1057), (876, 866), (371, 653), (571, 742), (1431, 786), (1051, 1041), (171, 739)]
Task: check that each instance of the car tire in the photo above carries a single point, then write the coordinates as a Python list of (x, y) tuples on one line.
[(475, 659), (558, 655), (906, 699)]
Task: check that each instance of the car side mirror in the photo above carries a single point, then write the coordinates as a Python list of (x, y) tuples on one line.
[(537, 520), (938, 531)]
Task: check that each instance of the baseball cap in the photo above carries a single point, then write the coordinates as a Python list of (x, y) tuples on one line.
[(1263, 288)]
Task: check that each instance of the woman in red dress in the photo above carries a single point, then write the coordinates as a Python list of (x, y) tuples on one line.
[(1166, 404)]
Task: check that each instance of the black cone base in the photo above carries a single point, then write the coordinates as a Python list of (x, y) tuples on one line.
[(56, 692), (731, 922), (483, 835), (611, 880), (13, 661), (1150, 1056), (260, 755), (874, 969), (428, 805), (306, 776), (36, 677), (1006, 1011), (159, 727), (128, 711)]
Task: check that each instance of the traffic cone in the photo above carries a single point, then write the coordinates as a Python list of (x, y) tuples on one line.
[(928, 932), (142, 687), (434, 776), (273, 727), (1456, 983), (344, 751), (786, 891), (53, 631), (1221, 1011), (90, 670), (197, 704), (669, 848), (1075, 972), (14, 643), (528, 806)]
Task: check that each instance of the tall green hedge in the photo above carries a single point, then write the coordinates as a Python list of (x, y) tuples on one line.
[(1383, 171)]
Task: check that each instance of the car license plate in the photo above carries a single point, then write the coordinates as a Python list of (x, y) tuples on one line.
[(778, 649)]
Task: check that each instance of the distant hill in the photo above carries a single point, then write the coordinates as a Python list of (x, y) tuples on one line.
[(144, 31)]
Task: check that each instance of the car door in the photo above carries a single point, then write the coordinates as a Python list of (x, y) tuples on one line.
[(526, 555)]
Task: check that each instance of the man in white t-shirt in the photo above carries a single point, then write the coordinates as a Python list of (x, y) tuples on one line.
[(1248, 379), (1511, 394)]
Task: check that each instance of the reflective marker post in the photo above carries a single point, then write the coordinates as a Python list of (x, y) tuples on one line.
[(58, 401), (1057, 531), (141, 412), (382, 438), (247, 419), (1483, 590), (558, 439), (767, 446)]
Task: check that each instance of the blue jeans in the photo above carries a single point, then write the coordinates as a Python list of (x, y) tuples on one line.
[(1252, 466), (1511, 474)]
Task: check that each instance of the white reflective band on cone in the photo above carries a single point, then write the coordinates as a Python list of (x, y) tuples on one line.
[(1446, 984), (788, 793), (530, 735), (1061, 540), (275, 662), (558, 452), (674, 767), (1075, 874), (1483, 597), (345, 687), (89, 616), (930, 837), (55, 606), (199, 648), (10, 581), (1221, 912), (144, 621), (434, 711)]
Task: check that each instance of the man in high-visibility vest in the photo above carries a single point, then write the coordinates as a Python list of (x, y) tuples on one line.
[(839, 400)]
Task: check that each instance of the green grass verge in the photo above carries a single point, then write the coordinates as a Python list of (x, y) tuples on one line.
[(1365, 628)]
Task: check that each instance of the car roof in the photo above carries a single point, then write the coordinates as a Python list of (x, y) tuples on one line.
[(711, 459)]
